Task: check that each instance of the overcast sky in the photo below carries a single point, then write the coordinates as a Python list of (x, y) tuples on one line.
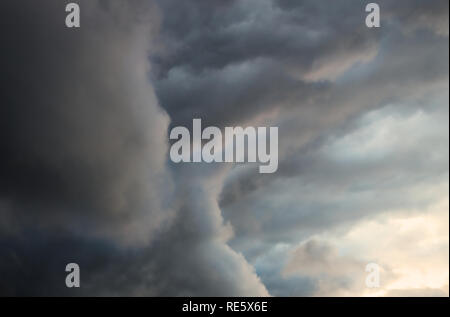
[(363, 174)]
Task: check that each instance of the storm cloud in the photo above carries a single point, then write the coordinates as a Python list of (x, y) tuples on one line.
[(85, 176)]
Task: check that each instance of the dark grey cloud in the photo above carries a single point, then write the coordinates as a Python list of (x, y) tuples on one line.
[(84, 175), (78, 124), (246, 57)]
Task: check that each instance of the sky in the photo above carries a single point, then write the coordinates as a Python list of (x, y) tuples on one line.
[(363, 174)]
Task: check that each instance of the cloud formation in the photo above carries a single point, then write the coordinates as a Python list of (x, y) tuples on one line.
[(363, 127)]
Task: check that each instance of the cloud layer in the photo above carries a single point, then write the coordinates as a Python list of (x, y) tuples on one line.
[(363, 126)]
